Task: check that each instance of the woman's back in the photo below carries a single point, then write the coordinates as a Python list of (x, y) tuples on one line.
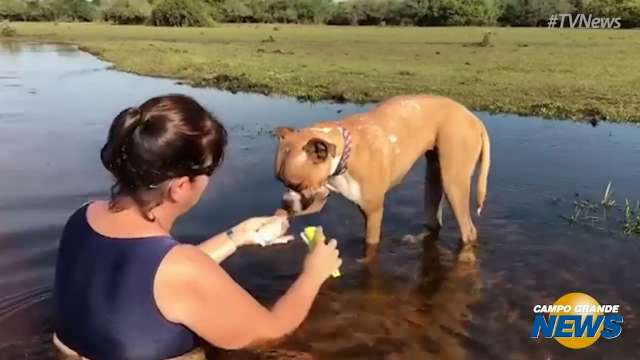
[(104, 296), (124, 289)]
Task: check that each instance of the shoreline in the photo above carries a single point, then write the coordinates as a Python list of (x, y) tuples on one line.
[(311, 64)]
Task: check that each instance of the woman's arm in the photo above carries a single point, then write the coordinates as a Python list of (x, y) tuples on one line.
[(219, 247), (266, 230), (193, 290)]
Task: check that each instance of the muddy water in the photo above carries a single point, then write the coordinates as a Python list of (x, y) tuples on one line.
[(419, 302)]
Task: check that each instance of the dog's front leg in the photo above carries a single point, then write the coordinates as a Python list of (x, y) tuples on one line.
[(373, 223)]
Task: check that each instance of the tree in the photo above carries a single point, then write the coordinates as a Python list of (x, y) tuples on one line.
[(13, 9)]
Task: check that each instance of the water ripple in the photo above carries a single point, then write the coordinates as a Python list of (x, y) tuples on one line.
[(18, 301)]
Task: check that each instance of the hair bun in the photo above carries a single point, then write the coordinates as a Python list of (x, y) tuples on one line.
[(114, 151), (165, 137)]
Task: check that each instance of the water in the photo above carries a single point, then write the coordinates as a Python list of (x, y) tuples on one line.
[(56, 104)]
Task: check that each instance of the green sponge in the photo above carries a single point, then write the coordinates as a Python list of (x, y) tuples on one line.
[(309, 237)]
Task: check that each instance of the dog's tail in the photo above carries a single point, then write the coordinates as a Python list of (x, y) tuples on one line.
[(485, 161)]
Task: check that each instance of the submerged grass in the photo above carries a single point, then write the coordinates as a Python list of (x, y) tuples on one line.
[(580, 74), (597, 215), (631, 218)]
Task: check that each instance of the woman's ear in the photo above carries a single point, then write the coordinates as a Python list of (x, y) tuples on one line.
[(179, 188)]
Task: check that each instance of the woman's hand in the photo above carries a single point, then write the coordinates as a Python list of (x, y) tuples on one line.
[(264, 230), (323, 259)]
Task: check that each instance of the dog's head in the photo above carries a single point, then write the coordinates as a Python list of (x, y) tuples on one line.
[(305, 160)]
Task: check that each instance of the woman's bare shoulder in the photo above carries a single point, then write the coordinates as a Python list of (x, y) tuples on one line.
[(181, 276), (184, 260)]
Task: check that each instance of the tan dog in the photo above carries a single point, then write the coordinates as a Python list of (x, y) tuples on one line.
[(364, 155)]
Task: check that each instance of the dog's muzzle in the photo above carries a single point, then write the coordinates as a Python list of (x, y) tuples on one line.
[(293, 202)]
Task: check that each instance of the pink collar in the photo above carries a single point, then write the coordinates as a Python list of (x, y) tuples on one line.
[(346, 152)]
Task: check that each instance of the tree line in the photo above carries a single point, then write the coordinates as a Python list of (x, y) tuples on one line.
[(346, 12)]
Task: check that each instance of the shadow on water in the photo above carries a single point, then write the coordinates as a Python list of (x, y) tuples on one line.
[(423, 299)]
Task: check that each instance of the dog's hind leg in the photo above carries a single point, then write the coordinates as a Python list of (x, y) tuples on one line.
[(458, 153), (457, 190), (433, 195)]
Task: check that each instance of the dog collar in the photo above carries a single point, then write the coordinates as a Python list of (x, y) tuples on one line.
[(346, 152)]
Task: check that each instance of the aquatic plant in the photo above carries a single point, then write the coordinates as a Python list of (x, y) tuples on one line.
[(631, 218), (607, 198), (586, 212)]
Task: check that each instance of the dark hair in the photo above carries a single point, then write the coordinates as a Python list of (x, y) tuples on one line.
[(166, 137)]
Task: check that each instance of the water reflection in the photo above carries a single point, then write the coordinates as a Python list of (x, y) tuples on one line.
[(417, 313)]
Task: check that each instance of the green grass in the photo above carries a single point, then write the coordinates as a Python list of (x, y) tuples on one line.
[(580, 74)]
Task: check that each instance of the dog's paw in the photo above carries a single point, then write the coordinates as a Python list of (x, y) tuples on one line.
[(366, 260), (370, 254), (410, 239), (432, 231), (467, 254)]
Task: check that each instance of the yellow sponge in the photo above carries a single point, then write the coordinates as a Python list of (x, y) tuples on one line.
[(309, 236)]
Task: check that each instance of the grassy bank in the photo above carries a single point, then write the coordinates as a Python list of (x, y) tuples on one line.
[(553, 73)]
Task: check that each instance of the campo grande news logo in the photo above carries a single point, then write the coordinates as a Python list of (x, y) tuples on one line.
[(577, 321)]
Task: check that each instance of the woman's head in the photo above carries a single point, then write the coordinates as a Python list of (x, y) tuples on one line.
[(165, 149)]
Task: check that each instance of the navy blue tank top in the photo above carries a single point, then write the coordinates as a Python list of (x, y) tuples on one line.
[(103, 294)]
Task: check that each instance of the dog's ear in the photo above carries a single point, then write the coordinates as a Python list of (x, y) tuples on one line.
[(319, 150), (281, 132)]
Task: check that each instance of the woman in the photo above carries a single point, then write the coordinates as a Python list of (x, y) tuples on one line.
[(125, 289)]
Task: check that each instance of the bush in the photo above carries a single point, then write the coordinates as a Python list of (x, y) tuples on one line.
[(180, 13), (403, 13), (73, 10), (533, 12), (127, 11), (314, 11), (627, 10), (40, 10), (6, 29), (467, 12), (371, 12), (342, 15), (235, 11)]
